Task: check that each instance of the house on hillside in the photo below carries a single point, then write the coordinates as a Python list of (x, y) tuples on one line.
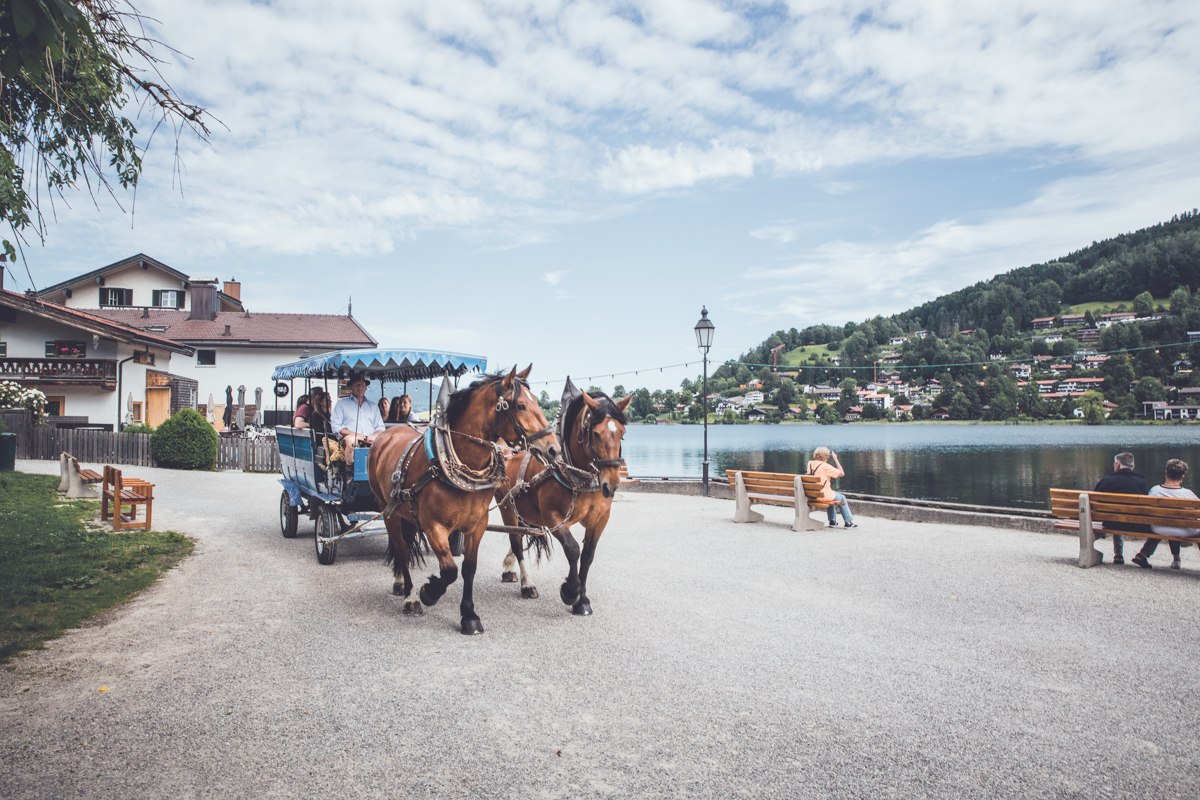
[(94, 372), (1042, 322), (230, 345), (1073, 320)]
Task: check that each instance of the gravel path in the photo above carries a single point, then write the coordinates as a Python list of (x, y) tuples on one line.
[(898, 660)]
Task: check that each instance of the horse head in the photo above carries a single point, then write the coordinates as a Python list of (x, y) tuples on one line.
[(600, 427), (519, 419)]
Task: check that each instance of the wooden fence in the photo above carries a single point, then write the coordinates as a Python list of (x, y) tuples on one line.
[(104, 447)]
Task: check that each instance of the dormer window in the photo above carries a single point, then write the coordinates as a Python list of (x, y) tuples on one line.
[(168, 298), (111, 296)]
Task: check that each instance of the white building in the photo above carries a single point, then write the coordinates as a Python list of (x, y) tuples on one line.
[(229, 345), (93, 370)]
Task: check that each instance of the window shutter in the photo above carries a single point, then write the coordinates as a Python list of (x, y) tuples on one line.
[(103, 297), (156, 296), (178, 299)]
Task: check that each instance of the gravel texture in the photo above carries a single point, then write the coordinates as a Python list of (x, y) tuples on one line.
[(900, 659)]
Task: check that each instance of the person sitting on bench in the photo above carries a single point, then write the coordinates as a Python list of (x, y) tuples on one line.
[(355, 418), (1172, 486), (821, 468)]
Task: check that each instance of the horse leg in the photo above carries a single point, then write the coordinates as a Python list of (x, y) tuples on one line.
[(400, 543), (569, 591), (583, 606), (470, 620), (436, 586), (509, 575)]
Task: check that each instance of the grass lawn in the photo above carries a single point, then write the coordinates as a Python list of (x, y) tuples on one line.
[(59, 568), (805, 354), (1098, 307)]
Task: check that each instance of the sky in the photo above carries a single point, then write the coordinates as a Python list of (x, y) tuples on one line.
[(567, 183)]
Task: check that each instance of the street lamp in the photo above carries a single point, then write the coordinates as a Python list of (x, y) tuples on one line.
[(704, 337)]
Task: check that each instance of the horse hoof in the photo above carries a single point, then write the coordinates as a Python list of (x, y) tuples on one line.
[(529, 592), (508, 577), (582, 609), (397, 590), (413, 608), (568, 597), (472, 627)]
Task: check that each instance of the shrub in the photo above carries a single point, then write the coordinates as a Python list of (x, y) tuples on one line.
[(185, 441), (13, 395), (137, 427)]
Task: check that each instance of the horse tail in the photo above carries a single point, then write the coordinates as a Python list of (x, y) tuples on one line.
[(542, 547), (418, 545), (390, 555)]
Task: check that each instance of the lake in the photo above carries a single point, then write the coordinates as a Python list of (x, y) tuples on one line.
[(996, 465)]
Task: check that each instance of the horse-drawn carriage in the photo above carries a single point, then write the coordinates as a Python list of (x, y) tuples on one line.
[(433, 486), (320, 486)]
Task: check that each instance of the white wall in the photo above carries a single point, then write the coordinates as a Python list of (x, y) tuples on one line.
[(143, 282), (238, 366)]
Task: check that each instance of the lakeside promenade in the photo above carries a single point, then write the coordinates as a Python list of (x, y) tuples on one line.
[(899, 659)]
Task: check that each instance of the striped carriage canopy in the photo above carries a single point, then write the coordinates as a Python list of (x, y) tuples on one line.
[(389, 365)]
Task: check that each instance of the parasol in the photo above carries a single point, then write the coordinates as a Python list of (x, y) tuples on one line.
[(228, 406), (129, 410), (258, 407), (241, 408), (212, 418)]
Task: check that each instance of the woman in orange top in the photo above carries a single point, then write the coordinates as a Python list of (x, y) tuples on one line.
[(821, 467)]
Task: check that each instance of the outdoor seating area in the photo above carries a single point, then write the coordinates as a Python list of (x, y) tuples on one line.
[(1090, 511), (800, 492), (120, 496)]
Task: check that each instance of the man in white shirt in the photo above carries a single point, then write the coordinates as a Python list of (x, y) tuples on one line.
[(356, 419)]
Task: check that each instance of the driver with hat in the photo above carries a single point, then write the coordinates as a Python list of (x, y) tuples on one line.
[(356, 419)]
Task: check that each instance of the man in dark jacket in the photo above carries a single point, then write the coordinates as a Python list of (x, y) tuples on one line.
[(1123, 480)]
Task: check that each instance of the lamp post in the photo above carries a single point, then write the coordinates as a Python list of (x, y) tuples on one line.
[(704, 337)]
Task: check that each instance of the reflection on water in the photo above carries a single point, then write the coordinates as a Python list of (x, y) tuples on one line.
[(1002, 465)]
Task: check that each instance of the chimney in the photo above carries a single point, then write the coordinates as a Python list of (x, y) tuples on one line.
[(228, 331), (233, 288), (204, 300)]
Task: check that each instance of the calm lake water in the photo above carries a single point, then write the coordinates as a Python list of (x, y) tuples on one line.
[(995, 465)]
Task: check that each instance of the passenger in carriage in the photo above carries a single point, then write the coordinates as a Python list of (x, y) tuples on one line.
[(383, 408), (401, 410), (318, 420), (303, 412), (356, 419)]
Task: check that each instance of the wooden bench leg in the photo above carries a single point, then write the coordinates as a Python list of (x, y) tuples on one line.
[(803, 521), (742, 512), (1089, 556), (64, 472)]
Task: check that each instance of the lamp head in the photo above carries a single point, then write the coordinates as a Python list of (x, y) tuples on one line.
[(704, 331)]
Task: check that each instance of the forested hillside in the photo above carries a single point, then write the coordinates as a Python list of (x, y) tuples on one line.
[(1096, 333)]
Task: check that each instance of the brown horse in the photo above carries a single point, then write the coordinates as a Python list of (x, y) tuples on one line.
[(433, 484), (577, 489)]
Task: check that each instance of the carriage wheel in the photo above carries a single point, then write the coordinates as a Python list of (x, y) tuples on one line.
[(327, 526), (289, 517)]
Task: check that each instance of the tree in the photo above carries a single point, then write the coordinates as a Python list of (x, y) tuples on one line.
[(1143, 304), (1180, 300), (1148, 389), (69, 68), (849, 396), (1092, 404)]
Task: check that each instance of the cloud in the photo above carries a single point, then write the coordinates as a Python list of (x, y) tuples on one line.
[(643, 169), (553, 278)]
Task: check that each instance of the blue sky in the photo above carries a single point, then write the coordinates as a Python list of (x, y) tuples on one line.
[(568, 183)]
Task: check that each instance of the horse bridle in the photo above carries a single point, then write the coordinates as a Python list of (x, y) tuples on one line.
[(585, 439), (510, 406)]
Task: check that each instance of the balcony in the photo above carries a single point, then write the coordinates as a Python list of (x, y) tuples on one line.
[(61, 371)]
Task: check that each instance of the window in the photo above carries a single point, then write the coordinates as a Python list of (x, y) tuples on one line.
[(168, 298), (56, 405), (62, 348), (137, 411), (206, 358), (110, 296), (3, 349)]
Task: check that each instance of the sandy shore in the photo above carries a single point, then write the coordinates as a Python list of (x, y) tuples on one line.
[(896, 660)]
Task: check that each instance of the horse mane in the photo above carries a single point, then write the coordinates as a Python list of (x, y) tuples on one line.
[(461, 399), (607, 407)]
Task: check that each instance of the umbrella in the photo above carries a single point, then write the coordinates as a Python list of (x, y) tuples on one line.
[(258, 409), (241, 412), (228, 406), (212, 417), (129, 410)]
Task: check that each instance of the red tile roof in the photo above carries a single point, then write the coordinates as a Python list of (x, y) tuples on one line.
[(256, 329), (90, 321)]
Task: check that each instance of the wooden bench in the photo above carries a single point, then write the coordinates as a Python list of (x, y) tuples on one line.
[(624, 475), (1089, 511), (74, 479), (119, 493), (801, 492)]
